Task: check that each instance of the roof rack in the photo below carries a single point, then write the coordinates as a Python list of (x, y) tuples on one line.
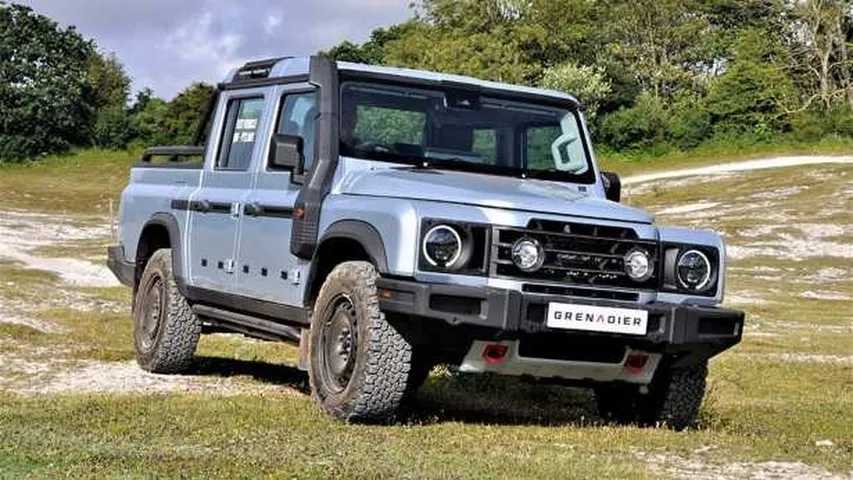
[(257, 69)]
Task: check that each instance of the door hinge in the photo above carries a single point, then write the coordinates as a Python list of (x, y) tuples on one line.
[(229, 265)]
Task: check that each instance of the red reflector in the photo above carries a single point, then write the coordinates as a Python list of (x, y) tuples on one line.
[(636, 362), (494, 353)]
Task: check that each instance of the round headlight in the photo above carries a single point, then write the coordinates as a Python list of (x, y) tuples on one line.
[(693, 270), (527, 254), (638, 265), (442, 246)]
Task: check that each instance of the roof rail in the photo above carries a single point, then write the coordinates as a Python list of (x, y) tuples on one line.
[(256, 69)]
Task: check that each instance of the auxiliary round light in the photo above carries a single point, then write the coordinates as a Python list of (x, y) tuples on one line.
[(638, 265), (527, 254), (693, 270), (442, 246)]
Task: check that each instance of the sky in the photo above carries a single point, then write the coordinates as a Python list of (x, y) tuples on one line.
[(167, 44)]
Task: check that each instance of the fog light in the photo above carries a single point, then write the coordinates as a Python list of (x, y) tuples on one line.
[(527, 254), (638, 265)]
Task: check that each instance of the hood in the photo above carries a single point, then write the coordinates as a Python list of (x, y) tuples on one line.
[(488, 191)]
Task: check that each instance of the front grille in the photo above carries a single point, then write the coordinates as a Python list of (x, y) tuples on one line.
[(575, 253)]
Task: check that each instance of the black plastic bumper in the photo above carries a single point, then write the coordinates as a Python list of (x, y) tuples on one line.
[(690, 332), (124, 271)]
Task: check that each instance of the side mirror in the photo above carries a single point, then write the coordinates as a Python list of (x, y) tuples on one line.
[(287, 153), (612, 186)]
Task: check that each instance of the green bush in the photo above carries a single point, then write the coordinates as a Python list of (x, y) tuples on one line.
[(113, 129), (640, 126), (689, 123)]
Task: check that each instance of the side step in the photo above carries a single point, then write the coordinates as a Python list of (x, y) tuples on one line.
[(247, 324)]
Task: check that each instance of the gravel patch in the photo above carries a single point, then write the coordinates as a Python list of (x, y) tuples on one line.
[(689, 208), (779, 162), (23, 232), (128, 378), (697, 468)]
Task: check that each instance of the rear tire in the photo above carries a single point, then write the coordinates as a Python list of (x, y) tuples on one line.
[(165, 329), (674, 398), (359, 364)]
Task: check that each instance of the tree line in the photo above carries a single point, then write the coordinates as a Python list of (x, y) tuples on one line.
[(58, 91), (655, 75)]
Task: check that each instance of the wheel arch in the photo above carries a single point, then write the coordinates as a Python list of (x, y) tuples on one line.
[(161, 231), (345, 240)]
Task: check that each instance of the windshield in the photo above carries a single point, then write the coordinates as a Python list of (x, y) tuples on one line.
[(459, 129)]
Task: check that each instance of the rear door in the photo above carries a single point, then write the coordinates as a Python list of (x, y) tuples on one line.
[(267, 269), (216, 207)]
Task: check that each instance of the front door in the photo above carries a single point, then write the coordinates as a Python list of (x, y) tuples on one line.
[(216, 207), (267, 270)]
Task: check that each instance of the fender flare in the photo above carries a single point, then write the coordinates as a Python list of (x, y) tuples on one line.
[(169, 221), (360, 231)]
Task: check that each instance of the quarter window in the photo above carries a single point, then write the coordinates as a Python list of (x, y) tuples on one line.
[(242, 119)]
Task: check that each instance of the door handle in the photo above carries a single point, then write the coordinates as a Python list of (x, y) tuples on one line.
[(202, 206), (253, 209)]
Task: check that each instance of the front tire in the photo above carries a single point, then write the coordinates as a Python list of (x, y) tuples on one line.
[(359, 364), (165, 329), (674, 398)]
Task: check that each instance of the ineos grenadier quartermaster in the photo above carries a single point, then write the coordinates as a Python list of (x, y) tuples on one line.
[(388, 220)]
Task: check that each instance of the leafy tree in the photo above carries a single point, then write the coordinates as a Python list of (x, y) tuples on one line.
[(185, 113), (108, 85), (371, 52), (587, 83), (107, 90), (659, 42), (43, 79), (755, 93)]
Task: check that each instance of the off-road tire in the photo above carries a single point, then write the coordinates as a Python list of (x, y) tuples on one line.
[(165, 329), (673, 399), (368, 382)]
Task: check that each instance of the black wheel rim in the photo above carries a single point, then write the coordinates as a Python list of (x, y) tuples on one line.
[(339, 343), (153, 308)]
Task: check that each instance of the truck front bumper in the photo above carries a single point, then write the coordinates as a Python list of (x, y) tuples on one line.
[(690, 333), (124, 271)]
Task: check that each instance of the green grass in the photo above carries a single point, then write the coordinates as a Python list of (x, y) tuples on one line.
[(758, 407), (81, 182)]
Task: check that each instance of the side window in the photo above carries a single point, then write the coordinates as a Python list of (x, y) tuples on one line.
[(486, 145), (388, 126), (298, 117), (238, 137), (556, 147)]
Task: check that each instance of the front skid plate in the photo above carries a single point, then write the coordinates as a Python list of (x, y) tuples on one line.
[(514, 364)]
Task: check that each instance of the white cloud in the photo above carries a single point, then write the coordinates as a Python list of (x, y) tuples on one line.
[(199, 43), (271, 24), (167, 44)]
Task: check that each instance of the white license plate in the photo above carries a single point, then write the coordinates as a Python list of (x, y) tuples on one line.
[(597, 319)]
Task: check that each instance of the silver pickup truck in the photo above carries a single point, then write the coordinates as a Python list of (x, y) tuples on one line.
[(389, 220)]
